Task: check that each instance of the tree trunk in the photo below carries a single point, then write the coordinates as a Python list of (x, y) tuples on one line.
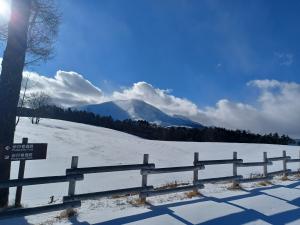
[(10, 81)]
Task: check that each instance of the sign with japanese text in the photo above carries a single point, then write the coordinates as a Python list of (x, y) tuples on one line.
[(28, 151)]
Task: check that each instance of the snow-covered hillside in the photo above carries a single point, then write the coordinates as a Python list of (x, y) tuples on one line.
[(137, 110), (98, 146)]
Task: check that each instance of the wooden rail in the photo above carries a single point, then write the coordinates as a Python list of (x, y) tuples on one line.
[(171, 169), (255, 179), (293, 160), (217, 179), (93, 195), (170, 190), (252, 164), (10, 213), (220, 161), (105, 169), (40, 180), (272, 159)]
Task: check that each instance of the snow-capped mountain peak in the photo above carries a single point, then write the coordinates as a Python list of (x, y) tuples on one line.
[(137, 110)]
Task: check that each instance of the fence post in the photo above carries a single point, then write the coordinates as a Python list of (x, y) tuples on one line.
[(235, 182), (265, 159), (72, 183), (144, 177), (195, 177), (20, 176), (284, 164)]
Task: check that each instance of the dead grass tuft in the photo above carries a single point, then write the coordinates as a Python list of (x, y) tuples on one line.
[(234, 186), (264, 183), (122, 196), (192, 194), (137, 202), (171, 185), (284, 178), (66, 214), (297, 174)]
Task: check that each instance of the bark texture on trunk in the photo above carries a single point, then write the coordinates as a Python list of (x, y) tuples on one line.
[(10, 80)]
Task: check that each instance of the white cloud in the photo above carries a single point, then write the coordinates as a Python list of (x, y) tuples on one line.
[(66, 88), (161, 99), (264, 84), (277, 110), (284, 59)]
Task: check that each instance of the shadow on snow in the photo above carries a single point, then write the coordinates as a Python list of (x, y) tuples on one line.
[(234, 208)]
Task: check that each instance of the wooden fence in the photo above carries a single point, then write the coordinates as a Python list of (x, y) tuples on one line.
[(75, 174)]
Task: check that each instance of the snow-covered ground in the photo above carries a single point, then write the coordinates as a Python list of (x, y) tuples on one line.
[(95, 146)]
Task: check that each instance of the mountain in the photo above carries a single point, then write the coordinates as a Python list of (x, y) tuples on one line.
[(138, 110), (297, 140)]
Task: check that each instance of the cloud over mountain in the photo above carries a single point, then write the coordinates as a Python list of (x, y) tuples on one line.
[(161, 99), (276, 109)]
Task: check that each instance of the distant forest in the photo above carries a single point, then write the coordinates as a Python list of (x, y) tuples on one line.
[(151, 131)]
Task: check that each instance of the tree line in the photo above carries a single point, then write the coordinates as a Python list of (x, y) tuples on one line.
[(152, 131)]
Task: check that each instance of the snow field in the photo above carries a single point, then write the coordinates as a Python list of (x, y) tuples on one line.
[(98, 146)]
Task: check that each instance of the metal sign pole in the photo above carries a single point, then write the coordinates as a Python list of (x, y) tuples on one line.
[(20, 176)]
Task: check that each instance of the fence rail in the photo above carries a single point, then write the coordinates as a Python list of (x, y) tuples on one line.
[(218, 179), (252, 164), (170, 190), (40, 180), (104, 169), (93, 195), (171, 169), (254, 179), (272, 159), (6, 214), (220, 161), (293, 160), (75, 174)]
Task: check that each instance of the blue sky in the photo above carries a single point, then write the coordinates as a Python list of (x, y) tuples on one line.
[(202, 50), (232, 63)]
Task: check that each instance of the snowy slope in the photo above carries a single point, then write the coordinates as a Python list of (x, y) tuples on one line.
[(137, 110), (97, 146)]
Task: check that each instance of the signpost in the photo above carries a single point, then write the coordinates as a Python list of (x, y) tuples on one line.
[(22, 152)]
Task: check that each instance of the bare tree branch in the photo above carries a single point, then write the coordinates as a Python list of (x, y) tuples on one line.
[(42, 32), (22, 100), (36, 101)]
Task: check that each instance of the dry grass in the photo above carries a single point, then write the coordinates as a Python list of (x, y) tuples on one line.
[(256, 175), (234, 186), (284, 178), (126, 195), (171, 185), (48, 222), (137, 202), (192, 194), (297, 174), (66, 214), (168, 186), (264, 183)]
